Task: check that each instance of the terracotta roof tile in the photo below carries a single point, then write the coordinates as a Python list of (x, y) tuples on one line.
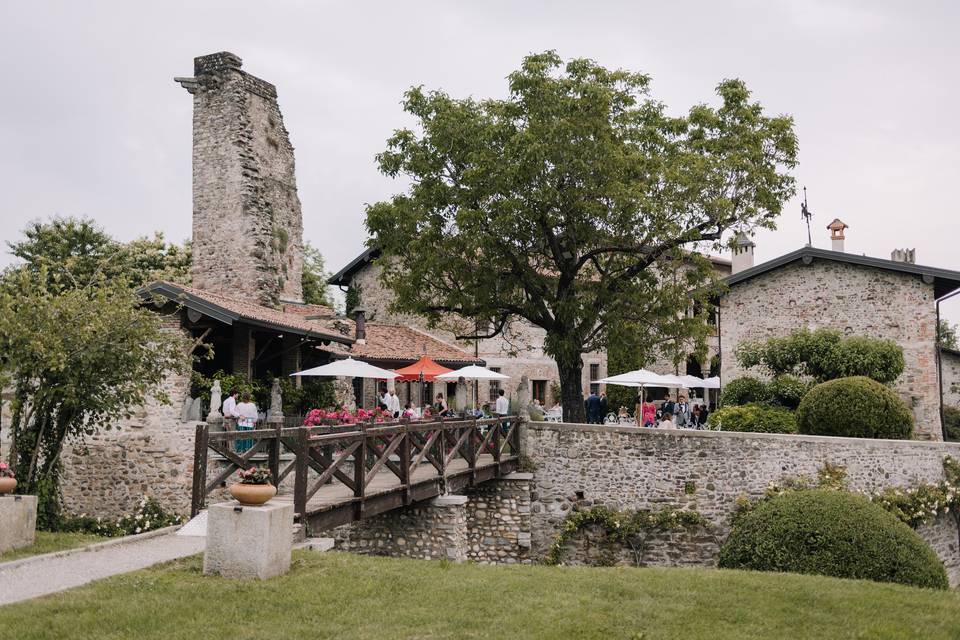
[(399, 342), (228, 309)]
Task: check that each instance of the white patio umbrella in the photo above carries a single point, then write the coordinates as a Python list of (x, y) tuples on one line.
[(693, 382), (348, 368), (643, 378), (712, 383), (473, 372)]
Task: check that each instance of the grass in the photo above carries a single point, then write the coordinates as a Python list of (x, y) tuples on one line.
[(342, 596), (47, 542)]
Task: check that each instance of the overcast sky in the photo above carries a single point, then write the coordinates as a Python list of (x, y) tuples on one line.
[(92, 124)]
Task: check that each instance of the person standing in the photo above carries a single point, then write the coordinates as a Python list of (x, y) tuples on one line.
[(638, 409), (247, 414), (604, 408), (593, 408), (393, 404), (682, 413), (649, 413), (230, 405)]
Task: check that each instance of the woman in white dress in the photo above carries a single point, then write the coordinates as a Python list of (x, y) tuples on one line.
[(247, 414)]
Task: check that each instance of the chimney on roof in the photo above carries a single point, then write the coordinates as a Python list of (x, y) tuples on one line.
[(904, 255), (360, 319), (742, 253), (836, 233)]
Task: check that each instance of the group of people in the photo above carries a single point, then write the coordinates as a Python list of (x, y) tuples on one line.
[(597, 407), (244, 412), (671, 415)]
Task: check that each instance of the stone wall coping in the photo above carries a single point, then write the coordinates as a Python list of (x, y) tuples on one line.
[(646, 432), (448, 501), (518, 475), (230, 505), (97, 546)]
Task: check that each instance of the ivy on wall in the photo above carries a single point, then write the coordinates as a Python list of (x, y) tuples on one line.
[(632, 528)]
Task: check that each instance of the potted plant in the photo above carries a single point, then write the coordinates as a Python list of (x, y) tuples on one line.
[(7, 482), (254, 488)]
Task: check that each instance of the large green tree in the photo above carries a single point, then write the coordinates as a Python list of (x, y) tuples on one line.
[(77, 359), (577, 203)]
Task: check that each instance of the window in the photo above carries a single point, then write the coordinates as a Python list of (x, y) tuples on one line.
[(494, 386), (594, 375), (540, 391)]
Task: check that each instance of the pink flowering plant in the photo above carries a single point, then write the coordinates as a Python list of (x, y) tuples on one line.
[(255, 475), (318, 417), (5, 470)]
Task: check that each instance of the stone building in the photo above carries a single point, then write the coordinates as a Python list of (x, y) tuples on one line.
[(858, 295), (518, 352), (950, 377)]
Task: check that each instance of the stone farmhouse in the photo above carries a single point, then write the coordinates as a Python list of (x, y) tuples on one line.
[(892, 299)]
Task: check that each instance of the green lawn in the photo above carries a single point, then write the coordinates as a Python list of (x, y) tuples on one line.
[(343, 596), (47, 542)]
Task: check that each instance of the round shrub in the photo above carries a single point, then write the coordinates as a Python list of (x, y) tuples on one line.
[(855, 407), (743, 391), (787, 391), (831, 533), (756, 418)]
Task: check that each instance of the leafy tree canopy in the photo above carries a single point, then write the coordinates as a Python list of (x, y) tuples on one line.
[(947, 335), (74, 252), (824, 354), (77, 359), (314, 277), (576, 204)]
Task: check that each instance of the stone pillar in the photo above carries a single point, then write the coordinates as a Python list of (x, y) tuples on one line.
[(498, 520), (18, 521), (432, 530), (243, 350), (248, 542)]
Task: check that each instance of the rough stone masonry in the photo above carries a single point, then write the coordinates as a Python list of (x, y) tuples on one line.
[(244, 186)]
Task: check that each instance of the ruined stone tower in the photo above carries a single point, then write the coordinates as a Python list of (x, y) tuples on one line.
[(247, 224)]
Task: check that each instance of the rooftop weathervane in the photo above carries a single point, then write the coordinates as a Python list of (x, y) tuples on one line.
[(807, 215)]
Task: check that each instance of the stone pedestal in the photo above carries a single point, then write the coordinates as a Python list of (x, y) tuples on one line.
[(18, 521), (248, 542)]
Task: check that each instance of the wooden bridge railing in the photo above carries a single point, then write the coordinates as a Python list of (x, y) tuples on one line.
[(356, 455)]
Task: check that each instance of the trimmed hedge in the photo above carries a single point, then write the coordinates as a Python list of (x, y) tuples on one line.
[(856, 407), (831, 533), (743, 391), (787, 391), (755, 418)]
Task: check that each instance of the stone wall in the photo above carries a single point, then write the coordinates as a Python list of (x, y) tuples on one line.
[(950, 369), (625, 468), (853, 299), (149, 454), (244, 186)]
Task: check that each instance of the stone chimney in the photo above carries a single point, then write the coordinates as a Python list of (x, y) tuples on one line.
[(360, 320), (904, 255), (742, 253), (247, 224), (836, 234)]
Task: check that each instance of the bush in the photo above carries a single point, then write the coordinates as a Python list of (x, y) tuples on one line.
[(754, 418), (855, 407), (831, 533), (150, 515), (951, 423), (787, 391), (743, 391)]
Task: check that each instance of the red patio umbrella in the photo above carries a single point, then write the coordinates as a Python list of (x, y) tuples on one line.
[(423, 370)]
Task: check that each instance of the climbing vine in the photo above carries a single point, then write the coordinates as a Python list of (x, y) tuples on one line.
[(632, 528)]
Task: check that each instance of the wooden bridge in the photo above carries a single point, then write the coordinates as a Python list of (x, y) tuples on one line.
[(346, 473)]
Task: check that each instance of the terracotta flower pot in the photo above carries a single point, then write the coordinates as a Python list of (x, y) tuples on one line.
[(7, 485), (252, 495)]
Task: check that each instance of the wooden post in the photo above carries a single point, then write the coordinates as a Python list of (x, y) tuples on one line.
[(199, 469), (471, 450), (360, 466), (405, 455), (442, 440), (498, 431), (300, 478), (274, 453)]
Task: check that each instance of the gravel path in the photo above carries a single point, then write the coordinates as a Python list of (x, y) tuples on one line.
[(23, 581)]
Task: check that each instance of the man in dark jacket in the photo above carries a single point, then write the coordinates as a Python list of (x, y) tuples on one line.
[(593, 408), (604, 408)]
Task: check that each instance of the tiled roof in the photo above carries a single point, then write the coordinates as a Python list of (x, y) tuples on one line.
[(394, 342), (228, 310)]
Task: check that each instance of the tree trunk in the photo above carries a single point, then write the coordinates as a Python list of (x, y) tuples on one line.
[(571, 377)]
